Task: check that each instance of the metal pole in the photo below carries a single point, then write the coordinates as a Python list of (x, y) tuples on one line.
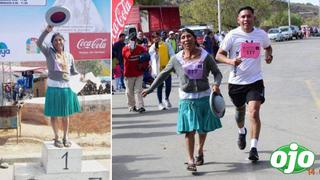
[(2, 92), (219, 17), (289, 16), (2, 72), (161, 17), (10, 71)]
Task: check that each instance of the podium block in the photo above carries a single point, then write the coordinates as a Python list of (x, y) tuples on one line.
[(61, 160), (91, 170)]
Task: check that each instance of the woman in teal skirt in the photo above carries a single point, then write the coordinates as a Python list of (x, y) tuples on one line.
[(193, 65), (60, 100)]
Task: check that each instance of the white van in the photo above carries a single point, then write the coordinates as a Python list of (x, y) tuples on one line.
[(199, 31)]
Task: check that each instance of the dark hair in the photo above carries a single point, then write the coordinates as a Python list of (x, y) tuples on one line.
[(246, 8), (55, 35), (155, 34), (190, 32), (122, 34)]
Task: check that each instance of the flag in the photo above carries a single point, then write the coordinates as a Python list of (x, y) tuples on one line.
[(120, 12)]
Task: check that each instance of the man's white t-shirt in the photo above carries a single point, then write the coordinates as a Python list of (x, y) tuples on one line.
[(236, 43)]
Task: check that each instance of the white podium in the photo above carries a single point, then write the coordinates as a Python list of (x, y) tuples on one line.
[(61, 164), (61, 160)]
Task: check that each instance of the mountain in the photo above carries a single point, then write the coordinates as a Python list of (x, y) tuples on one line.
[(305, 10)]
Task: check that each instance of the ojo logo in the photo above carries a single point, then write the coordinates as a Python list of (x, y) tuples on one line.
[(292, 158), (4, 49)]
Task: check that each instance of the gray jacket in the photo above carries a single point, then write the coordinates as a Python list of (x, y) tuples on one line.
[(50, 55), (189, 85)]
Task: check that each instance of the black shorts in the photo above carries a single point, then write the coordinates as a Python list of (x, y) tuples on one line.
[(241, 94)]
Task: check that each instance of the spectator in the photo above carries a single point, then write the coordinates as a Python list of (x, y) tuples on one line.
[(207, 42), (117, 74), (161, 53), (172, 41), (117, 51), (142, 40), (133, 73), (163, 36)]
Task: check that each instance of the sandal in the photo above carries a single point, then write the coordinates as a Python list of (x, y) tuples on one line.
[(191, 167), (66, 143), (57, 143), (199, 160)]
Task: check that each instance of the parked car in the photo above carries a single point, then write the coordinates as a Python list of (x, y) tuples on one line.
[(297, 33), (274, 34), (286, 32), (199, 31)]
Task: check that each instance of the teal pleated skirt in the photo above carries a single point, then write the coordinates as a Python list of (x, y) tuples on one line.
[(61, 102), (195, 115)]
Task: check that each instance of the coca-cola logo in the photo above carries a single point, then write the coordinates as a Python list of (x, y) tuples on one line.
[(121, 13), (98, 43)]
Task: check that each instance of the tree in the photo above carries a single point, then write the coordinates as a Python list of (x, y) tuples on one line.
[(198, 12), (149, 2), (312, 21), (281, 19), (93, 66), (205, 11)]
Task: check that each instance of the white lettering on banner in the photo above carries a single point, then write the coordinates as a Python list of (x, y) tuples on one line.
[(121, 13), (99, 43)]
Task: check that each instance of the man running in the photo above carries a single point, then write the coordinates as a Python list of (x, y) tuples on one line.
[(241, 48)]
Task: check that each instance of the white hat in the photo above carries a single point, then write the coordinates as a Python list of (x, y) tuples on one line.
[(171, 32), (217, 104), (57, 16)]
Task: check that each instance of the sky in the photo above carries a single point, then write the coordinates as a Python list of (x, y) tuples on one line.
[(32, 17), (314, 2)]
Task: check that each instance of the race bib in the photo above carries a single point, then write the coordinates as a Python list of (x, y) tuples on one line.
[(193, 70), (249, 50)]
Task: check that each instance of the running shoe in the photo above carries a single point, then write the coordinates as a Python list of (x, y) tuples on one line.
[(141, 110), (242, 140), (253, 155), (167, 103), (133, 109), (161, 107)]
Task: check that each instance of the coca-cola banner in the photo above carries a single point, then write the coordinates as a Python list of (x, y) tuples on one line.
[(120, 12), (89, 46), (21, 27)]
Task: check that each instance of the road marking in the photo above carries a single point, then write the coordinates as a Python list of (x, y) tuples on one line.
[(313, 93)]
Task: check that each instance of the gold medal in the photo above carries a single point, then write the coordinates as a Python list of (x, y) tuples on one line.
[(65, 76), (62, 62)]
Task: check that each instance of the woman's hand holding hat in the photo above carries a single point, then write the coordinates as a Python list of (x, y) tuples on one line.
[(216, 88), (49, 28)]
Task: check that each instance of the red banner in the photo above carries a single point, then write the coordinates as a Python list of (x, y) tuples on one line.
[(120, 13), (89, 46)]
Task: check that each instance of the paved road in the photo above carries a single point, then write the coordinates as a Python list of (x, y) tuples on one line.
[(145, 146)]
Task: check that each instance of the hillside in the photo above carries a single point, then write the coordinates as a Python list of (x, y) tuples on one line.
[(305, 10)]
